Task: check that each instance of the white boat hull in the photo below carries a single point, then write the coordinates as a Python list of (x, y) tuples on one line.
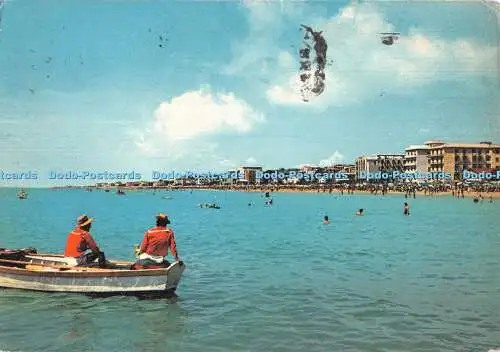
[(91, 280)]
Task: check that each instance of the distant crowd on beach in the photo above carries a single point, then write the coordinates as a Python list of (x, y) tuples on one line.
[(409, 190)]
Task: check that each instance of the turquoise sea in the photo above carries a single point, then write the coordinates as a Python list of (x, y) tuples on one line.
[(265, 278)]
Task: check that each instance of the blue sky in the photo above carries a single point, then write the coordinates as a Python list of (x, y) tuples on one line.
[(84, 84)]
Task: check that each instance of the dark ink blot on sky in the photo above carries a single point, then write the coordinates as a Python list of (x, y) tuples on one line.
[(320, 46)]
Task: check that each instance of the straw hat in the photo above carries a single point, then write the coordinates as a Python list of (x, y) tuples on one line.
[(83, 220)]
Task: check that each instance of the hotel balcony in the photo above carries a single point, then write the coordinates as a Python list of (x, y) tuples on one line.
[(436, 160), (464, 161)]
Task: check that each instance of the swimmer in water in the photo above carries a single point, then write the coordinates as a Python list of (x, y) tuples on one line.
[(325, 220), (360, 212), (406, 210)]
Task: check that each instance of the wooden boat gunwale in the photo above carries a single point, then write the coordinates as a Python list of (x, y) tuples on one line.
[(69, 271), (84, 273), (48, 255)]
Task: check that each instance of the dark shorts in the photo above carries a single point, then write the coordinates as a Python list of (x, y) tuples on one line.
[(89, 258)]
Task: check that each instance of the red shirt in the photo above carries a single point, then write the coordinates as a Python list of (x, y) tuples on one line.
[(78, 242), (157, 240)]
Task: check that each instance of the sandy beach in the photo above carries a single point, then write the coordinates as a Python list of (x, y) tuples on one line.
[(469, 194), (485, 195), (419, 193)]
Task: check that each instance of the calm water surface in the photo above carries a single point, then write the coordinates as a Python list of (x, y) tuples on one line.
[(269, 278)]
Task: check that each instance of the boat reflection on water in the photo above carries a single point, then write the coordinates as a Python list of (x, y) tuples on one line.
[(81, 326), (153, 322), (159, 326)]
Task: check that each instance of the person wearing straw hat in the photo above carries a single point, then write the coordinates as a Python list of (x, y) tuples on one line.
[(154, 247), (79, 241)]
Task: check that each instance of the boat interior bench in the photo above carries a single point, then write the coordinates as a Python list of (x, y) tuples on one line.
[(49, 265), (29, 259)]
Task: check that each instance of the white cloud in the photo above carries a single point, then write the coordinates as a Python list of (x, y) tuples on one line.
[(201, 113), (362, 66), (286, 94), (226, 164), (336, 158), (186, 125), (251, 161)]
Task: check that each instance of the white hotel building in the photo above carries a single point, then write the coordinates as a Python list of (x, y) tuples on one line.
[(386, 163), (416, 159)]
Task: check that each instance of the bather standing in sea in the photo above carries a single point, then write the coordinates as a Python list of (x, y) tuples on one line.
[(406, 210)]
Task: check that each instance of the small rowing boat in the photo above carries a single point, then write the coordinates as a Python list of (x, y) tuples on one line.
[(27, 270), (22, 195)]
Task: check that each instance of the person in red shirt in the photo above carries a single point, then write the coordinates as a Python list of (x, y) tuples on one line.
[(79, 241), (156, 242)]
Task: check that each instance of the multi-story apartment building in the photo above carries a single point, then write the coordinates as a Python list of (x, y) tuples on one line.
[(416, 159), (386, 163), (249, 173), (390, 162), (365, 165), (455, 158), (349, 170)]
